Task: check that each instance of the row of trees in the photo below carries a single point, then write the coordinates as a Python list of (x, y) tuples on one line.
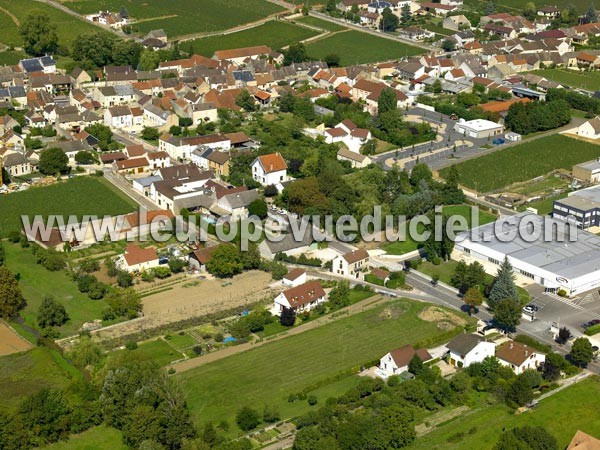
[(526, 118)]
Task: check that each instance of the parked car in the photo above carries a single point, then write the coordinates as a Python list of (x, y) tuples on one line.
[(498, 141), (533, 307)]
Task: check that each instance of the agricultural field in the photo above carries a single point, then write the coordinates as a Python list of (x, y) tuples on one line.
[(183, 17), (589, 81), (270, 373), (274, 34), (514, 6), (67, 26), (562, 415), (11, 342), (408, 245), (9, 58), (78, 196), (102, 436), (523, 162), (23, 374), (320, 23), (36, 282), (355, 47)]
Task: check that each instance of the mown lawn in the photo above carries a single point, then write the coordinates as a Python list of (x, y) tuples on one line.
[(36, 283), (274, 34), (355, 47), (182, 17), (270, 373), (562, 415), (100, 437), (584, 80), (10, 58), (67, 26), (24, 374), (320, 23), (523, 162), (158, 351), (78, 196)]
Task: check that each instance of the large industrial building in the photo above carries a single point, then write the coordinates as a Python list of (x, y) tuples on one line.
[(582, 206), (560, 257)]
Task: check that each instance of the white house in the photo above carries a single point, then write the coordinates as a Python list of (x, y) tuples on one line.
[(519, 357), (136, 259), (478, 128), (123, 116), (357, 160), (396, 361), (590, 129), (466, 349), (300, 298), (351, 264), (294, 277), (349, 134), (269, 169)]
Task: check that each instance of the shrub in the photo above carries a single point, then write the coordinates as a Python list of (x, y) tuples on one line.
[(162, 272), (131, 345), (247, 418), (562, 293), (594, 329), (312, 400), (84, 282), (219, 337), (197, 349), (171, 371)]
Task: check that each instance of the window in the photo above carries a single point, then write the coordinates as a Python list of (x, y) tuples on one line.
[(494, 261), (526, 274)]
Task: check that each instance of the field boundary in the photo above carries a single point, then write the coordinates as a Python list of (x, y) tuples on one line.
[(11, 15)]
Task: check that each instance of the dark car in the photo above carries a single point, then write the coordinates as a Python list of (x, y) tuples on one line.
[(163, 260)]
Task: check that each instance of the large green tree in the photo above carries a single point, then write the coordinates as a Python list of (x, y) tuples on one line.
[(504, 285), (51, 313), (387, 101), (226, 261), (53, 161), (507, 314), (93, 49), (38, 34), (389, 21), (582, 352), (11, 297)]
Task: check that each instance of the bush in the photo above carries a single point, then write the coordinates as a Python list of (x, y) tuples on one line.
[(219, 337), (131, 345), (562, 293), (84, 282), (197, 349), (247, 418), (162, 272), (312, 400), (594, 329), (171, 371), (523, 339)]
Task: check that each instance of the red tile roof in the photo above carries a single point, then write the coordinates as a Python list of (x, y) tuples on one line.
[(136, 255), (272, 162), (305, 293)]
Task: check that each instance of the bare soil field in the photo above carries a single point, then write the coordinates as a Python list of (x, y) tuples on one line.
[(11, 342), (186, 300)]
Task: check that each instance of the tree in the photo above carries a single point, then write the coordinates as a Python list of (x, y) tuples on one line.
[(51, 313), (287, 317), (225, 262), (53, 161), (11, 298), (387, 101), (245, 101), (271, 191), (124, 302), (504, 285), (247, 418), (258, 208), (176, 265), (149, 60), (473, 298), (126, 52), (582, 352), (389, 21), (175, 130), (150, 134), (1, 254), (332, 59), (296, 53), (591, 16), (507, 314), (38, 34), (84, 157), (85, 353), (530, 11), (490, 8), (415, 366), (103, 134), (449, 45), (93, 49), (124, 279), (46, 414), (405, 14), (340, 294), (564, 334)]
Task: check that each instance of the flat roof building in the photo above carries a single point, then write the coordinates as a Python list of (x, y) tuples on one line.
[(582, 206), (478, 128), (588, 171), (558, 256)]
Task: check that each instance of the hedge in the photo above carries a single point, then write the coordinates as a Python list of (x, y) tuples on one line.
[(594, 329)]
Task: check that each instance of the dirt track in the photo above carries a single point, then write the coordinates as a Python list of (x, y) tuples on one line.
[(11, 342)]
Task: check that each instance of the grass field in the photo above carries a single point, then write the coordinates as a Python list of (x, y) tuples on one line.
[(517, 5), (320, 23), (67, 26), (584, 80), (275, 34), (270, 373), (10, 58), (354, 47), (77, 196), (26, 373), (543, 206), (183, 17), (100, 437), (158, 351), (524, 162), (408, 245), (561, 414), (36, 282)]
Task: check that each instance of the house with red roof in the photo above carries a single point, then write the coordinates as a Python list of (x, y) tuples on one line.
[(269, 169), (137, 259), (301, 298)]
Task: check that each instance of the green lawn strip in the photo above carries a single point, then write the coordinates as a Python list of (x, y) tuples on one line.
[(36, 282), (274, 34), (270, 373), (523, 162), (181, 341), (158, 351), (355, 47), (584, 80), (544, 206), (562, 415), (320, 23), (100, 437)]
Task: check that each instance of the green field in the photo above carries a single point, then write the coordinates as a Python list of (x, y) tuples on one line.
[(514, 6), (562, 415), (158, 351), (100, 437), (320, 23), (23, 374), (524, 162), (10, 58), (270, 373), (274, 34), (409, 245), (183, 17), (36, 282), (584, 80), (67, 26), (354, 47), (78, 196)]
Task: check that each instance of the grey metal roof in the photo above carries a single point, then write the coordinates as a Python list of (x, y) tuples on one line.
[(585, 199)]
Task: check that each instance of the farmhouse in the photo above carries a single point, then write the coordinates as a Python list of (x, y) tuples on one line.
[(200, 257), (294, 277), (351, 264), (269, 169), (397, 361), (466, 349), (559, 256), (136, 259), (589, 129), (519, 357), (300, 298), (478, 128)]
